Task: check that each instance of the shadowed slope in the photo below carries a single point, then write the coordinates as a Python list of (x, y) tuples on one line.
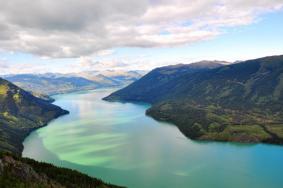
[(238, 102)]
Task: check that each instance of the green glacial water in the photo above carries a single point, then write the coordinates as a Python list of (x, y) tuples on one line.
[(118, 143)]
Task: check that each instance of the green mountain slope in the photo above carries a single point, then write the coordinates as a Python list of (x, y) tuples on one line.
[(154, 86), (239, 102), (22, 172), (20, 113)]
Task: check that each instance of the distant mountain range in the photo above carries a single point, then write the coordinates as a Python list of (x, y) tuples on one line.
[(112, 77), (211, 101), (50, 83)]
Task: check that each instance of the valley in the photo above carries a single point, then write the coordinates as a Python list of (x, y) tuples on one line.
[(118, 143), (206, 101), (141, 94), (20, 114)]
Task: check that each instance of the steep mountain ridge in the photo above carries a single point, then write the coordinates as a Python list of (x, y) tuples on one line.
[(254, 82), (238, 102), (20, 113), (153, 86)]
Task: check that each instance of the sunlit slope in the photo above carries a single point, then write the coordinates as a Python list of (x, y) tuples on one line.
[(20, 113)]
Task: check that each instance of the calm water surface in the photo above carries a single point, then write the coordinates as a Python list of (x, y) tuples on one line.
[(119, 144)]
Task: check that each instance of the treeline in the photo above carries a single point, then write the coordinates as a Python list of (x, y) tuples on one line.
[(20, 172)]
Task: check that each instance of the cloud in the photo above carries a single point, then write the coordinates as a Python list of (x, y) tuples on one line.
[(104, 53), (74, 28), (7, 68), (3, 66), (88, 64)]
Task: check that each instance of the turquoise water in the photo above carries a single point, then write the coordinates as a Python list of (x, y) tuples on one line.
[(119, 144)]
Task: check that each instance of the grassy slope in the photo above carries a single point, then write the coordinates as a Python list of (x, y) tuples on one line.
[(207, 123), (240, 102)]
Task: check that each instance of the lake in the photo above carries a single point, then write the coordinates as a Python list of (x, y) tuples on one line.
[(118, 143)]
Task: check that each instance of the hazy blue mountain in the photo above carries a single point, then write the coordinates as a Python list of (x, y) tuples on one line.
[(51, 83), (112, 77), (47, 84), (237, 102)]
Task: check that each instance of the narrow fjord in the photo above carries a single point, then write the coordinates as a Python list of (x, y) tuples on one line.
[(118, 143)]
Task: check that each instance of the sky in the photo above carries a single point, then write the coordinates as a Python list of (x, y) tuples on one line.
[(73, 35)]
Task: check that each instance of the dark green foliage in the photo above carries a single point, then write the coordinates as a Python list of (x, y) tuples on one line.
[(20, 113), (20, 172), (205, 103), (155, 85)]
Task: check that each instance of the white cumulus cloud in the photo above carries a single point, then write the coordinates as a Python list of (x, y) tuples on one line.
[(76, 28)]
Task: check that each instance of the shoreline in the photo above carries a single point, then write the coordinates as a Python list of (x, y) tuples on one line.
[(36, 128), (276, 141), (59, 116)]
